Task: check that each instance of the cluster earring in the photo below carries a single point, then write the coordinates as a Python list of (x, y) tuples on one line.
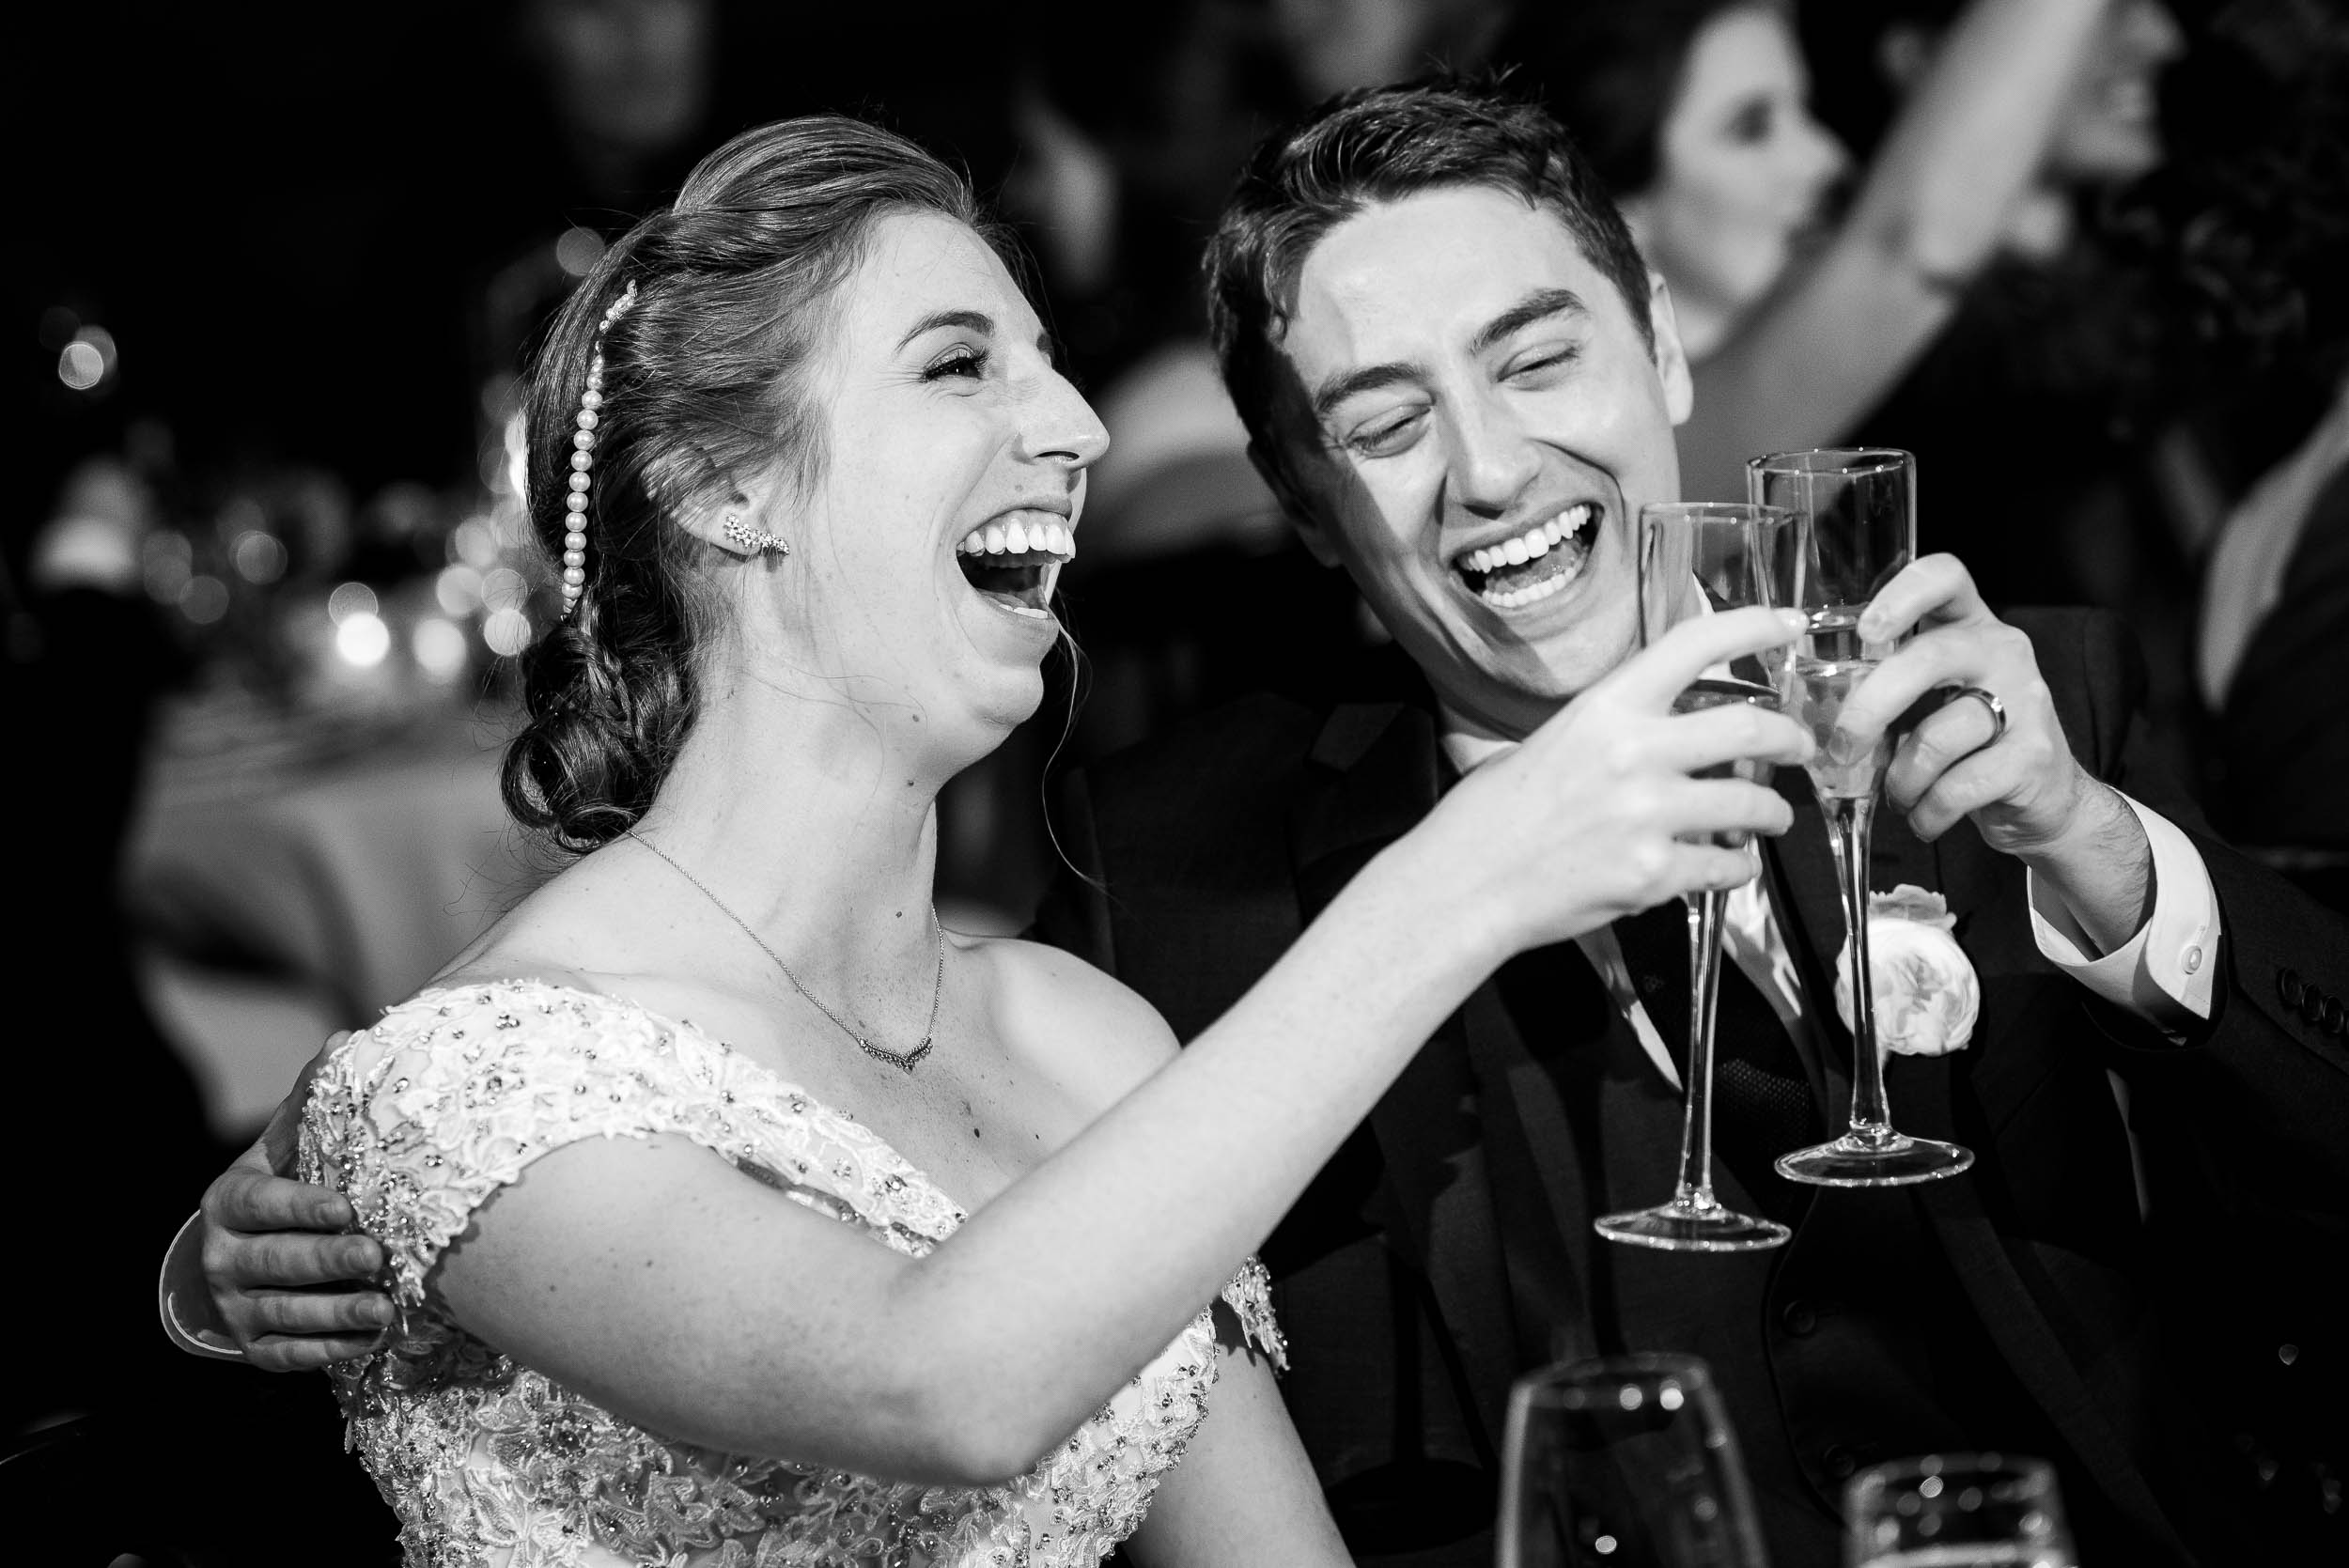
[(583, 458), (751, 540)]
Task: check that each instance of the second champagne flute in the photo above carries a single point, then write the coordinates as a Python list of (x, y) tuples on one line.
[(1857, 528), (1695, 557)]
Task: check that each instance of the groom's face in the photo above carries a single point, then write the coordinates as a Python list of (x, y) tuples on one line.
[(1474, 420)]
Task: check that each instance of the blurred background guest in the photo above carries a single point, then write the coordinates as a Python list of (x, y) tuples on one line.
[(2273, 664), (1799, 312)]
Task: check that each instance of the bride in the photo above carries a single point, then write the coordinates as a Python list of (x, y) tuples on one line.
[(734, 1211)]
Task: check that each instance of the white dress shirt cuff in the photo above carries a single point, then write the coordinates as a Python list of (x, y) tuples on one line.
[(185, 1305), (2163, 974)]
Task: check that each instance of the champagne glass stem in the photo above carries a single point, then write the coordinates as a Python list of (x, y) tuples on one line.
[(1705, 912), (1848, 820)]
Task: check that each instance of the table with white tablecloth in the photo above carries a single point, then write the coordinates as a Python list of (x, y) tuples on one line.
[(286, 882)]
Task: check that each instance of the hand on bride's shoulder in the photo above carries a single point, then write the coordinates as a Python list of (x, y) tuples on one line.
[(1093, 1033)]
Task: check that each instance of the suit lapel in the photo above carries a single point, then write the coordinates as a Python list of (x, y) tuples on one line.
[(1801, 870)]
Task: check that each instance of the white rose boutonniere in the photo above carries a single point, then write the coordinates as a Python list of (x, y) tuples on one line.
[(1926, 991)]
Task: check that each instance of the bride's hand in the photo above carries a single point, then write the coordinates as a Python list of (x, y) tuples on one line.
[(1599, 814)]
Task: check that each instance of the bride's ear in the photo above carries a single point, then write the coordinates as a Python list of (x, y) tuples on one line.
[(742, 522)]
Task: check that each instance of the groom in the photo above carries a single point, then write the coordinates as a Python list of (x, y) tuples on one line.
[(1445, 347), (1461, 382)]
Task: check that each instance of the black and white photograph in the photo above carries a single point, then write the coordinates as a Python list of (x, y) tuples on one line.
[(1209, 783)]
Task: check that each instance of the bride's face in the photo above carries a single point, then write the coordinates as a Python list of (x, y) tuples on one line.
[(948, 495)]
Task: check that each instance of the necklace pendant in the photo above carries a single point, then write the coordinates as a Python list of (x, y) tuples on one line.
[(904, 1062)]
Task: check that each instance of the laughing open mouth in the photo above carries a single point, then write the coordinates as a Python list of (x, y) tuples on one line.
[(1540, 562), (1014, 563)]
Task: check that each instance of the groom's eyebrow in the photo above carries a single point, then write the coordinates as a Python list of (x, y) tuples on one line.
[(1535, 307), (1538, 307), (1370, 378)]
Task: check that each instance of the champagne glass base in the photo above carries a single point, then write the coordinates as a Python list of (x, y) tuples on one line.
[(1691, 1227), (1885, 1159)]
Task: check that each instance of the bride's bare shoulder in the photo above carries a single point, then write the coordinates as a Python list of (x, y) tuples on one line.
[(1082, 1024), (583, 923)]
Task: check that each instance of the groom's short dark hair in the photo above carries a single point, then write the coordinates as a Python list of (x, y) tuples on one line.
[(1384, 144)]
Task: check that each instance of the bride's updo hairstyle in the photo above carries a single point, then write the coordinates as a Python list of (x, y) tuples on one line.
[(707, 376)]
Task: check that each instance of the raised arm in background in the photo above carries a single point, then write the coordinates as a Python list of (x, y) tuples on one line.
[(1931, 210)]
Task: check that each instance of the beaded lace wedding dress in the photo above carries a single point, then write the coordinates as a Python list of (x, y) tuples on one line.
[(421, 1118)]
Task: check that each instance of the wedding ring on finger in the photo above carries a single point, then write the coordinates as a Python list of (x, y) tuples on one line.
[(1990, 701)]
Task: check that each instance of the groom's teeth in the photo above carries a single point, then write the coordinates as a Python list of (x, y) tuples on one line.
[(1565, 530), (1538, 541)]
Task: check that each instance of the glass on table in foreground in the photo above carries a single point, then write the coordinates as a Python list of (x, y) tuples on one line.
[(1693, 558), (1956, 1510), (1627, 1463), (1856, 508)]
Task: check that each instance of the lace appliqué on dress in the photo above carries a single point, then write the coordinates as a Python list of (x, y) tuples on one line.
[(421, 1119)]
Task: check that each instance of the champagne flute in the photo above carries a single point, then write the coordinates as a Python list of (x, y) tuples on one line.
[(1956, 1510), (1858, 515), (1695, 557), (1629, 1462)]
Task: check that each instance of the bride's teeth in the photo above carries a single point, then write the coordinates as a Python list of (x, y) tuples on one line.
[(1015, 538), (1537, 544), (994, 539), (1516, 552)]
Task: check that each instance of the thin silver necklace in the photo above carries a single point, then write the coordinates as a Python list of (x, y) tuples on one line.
[(903, 1062)]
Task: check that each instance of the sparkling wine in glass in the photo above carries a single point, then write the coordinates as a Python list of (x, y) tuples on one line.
[(1628, 1464), (1856, 528), (1956, 1510), (1693, 558)]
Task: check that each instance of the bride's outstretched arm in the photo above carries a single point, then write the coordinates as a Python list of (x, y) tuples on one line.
[(688, 1297)]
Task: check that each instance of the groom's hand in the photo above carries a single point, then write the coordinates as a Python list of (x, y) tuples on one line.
[(2022, 788), (285, 1283), (2017, 780)]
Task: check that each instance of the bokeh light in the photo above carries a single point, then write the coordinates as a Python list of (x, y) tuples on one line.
[(577, 251), (203, 599), (457, 589), (362, 639), (80, 366), (439, 647), (506, 632), (476, 543), (88, 362), (260, 558), (505, 589), (351, 599)]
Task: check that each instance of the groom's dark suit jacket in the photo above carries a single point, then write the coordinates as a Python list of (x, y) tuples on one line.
[(1447, 1247)]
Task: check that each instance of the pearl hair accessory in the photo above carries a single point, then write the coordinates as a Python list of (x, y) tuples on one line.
[(752, 540), (583, 458)]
